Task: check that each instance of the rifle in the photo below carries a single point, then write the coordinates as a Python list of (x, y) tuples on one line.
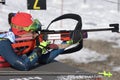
[(65, 34), (76, 35)]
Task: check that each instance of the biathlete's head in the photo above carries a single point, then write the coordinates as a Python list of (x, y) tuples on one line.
[(22, 23)]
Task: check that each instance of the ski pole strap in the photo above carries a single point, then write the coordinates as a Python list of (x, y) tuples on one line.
[(69, 16)]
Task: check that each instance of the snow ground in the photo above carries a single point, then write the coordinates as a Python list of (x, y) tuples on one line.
[(95, 14), (84, 56), (116, 68)]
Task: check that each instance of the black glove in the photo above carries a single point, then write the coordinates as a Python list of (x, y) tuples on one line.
[(38, 51)]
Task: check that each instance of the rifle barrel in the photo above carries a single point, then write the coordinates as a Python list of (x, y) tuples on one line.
[(84, 30), (102, 29)]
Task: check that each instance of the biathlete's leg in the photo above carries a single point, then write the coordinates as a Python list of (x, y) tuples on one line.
[(7, 52)]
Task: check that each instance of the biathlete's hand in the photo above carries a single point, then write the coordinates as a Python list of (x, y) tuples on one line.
[(43, 45)]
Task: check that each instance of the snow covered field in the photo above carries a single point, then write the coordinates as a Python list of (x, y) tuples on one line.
[(95, 14)]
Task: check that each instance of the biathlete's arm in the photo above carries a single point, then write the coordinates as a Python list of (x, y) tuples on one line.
[(7, 52)]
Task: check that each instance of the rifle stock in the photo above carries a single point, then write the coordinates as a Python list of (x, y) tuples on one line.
[(61, 34)]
